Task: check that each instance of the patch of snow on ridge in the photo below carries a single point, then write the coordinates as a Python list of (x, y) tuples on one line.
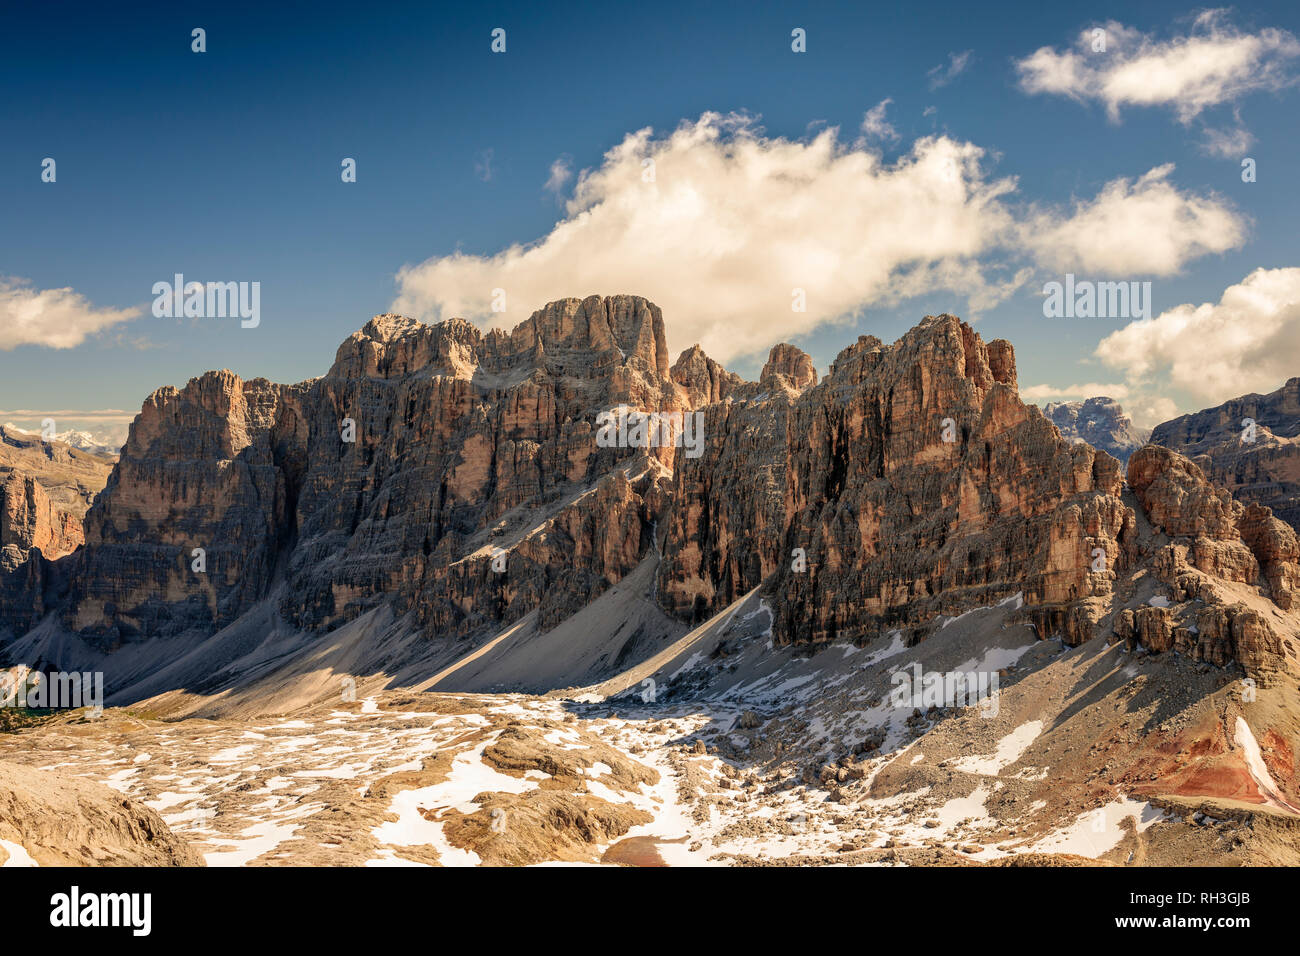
[(1258, 769), (896, 647), (693, 661), (18, 855), (1015, 602), (1009, 750), (1100, 830), (996, 658)]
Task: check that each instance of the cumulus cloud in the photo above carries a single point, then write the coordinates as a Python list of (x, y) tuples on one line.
[(1148, 409), (1146, 227), (943, 74), (874, 124), (1246, 342), (719, 224), (1212, 64), (57, 318)]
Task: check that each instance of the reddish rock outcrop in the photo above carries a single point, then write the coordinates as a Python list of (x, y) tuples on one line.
[(29, 519), (33, 532)]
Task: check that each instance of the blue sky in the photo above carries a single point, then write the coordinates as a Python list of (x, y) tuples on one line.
[(225, 165)]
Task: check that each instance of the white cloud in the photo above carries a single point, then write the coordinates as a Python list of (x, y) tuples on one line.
[(57, 318), (561, 173), (733, 220), (1142, 227), (483, 165), (1214, 63), (1246, 342), (1070, 393), (942, 75), (1228, 143), (874, 124), (1148, 409), (732, 223)]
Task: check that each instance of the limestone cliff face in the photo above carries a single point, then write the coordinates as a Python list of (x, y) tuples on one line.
[(705, 380), (469, 444), (1214, 533), (396, 477), (1211, 540), (33, 532), (729, 516), (912, 481), (209, 467), (1258, 466), (45, 489), (29, 519)]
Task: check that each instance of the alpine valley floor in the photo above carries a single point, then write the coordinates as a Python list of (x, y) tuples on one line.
[(1096, 756)]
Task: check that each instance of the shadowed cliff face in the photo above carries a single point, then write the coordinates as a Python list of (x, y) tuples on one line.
[(33, 532), (1260, 462), (45, 489), (393, 477), (912, 481), (456, 477), (204, 467)]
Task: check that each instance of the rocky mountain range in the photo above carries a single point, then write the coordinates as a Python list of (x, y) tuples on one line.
[(101, 443), (1249, 445), (448, 512), (1100, 422)]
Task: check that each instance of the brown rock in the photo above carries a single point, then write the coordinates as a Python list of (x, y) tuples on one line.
[(1265, 471), (897, 524)]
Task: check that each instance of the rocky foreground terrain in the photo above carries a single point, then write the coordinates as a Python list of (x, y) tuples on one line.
[(419, 611)]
